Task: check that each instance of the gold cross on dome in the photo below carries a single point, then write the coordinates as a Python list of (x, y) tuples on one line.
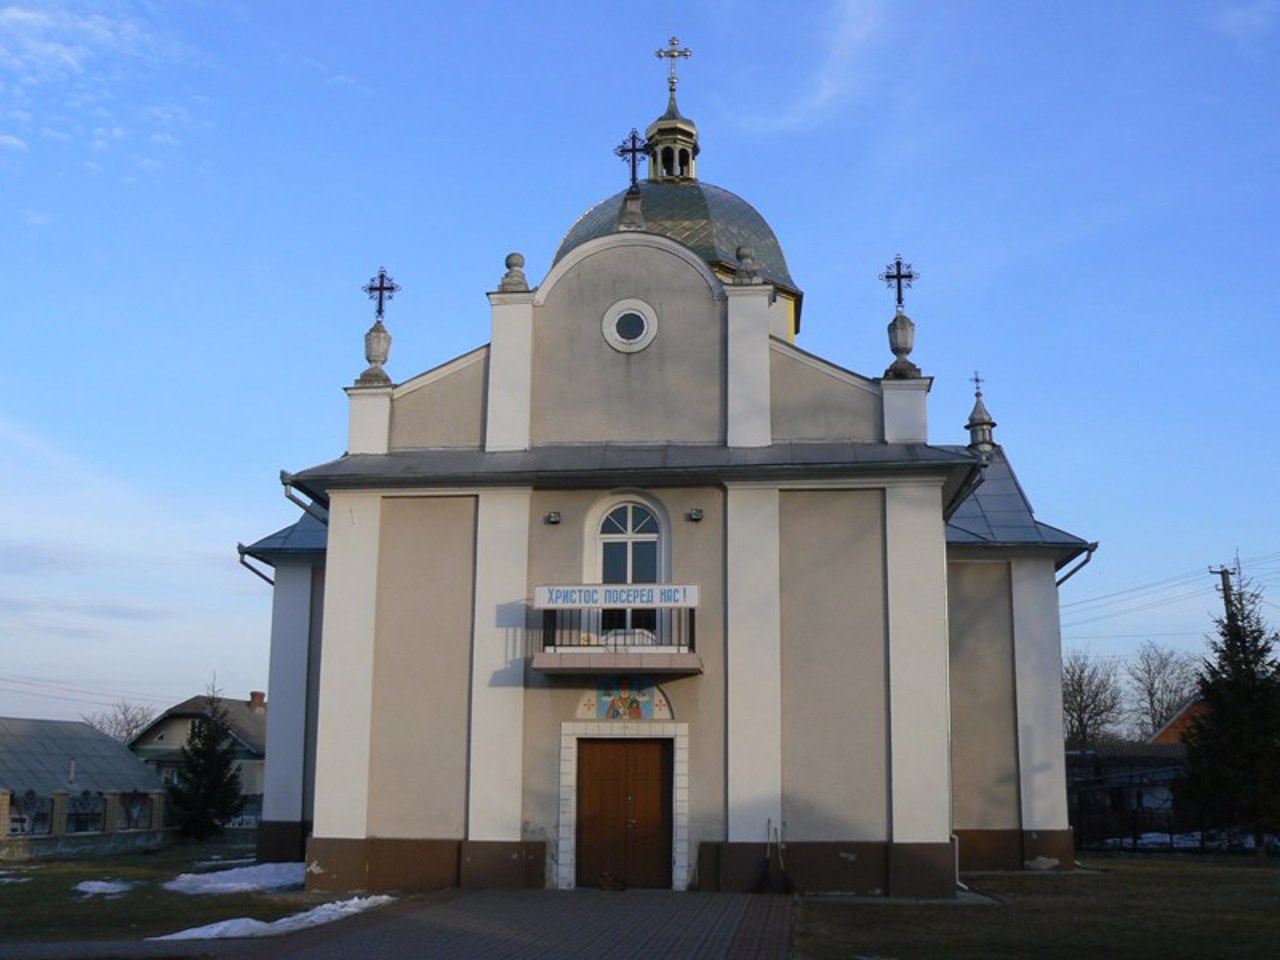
[(672, 54)]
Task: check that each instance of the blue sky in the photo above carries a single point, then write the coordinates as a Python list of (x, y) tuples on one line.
[(193, 192)]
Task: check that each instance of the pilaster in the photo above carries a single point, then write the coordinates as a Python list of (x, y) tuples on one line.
[(754, 667), (369, 420), (748, 408), (497, 665), (510, 372), (346, 669), (906, 414), (1037, 657), (919, 697)]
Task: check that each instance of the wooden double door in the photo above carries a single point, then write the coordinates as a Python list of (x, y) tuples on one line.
[(624, 813)]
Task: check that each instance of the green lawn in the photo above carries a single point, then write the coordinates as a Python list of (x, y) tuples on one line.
[(46, 906), (1125, 908)]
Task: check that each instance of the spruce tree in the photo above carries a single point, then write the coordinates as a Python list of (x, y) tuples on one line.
[(1233, 746), (207, 792)]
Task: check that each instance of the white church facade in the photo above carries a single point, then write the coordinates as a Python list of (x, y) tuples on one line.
[(642, 593)]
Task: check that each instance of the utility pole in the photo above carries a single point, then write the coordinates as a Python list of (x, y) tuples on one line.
[(1225, 574)]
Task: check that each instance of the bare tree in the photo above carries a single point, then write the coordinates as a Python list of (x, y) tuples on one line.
[(124, 720), (1160, 681), (1092, 702)]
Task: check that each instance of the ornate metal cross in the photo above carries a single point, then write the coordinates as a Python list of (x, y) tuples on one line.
[(381, 288), (631, 148), (977, 382), (899, 277), (672, 54)]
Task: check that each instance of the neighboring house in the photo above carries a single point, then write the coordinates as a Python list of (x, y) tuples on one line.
[(159, 744), (67, 789), (1180, 722), (641, 592)]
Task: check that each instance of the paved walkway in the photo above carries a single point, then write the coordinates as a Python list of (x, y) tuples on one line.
[(501, 925)]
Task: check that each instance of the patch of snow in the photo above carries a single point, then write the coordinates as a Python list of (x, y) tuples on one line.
[(264, 876), (14, 879), (104, 888), (245, 927)]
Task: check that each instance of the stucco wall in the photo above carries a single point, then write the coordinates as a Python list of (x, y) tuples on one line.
[(557, 555), (445, 410), (833, 665), (814, 402), (984, 748), (672, 391), (422, 656)]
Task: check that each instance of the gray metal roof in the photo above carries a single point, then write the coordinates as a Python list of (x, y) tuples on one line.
[(612, 464), (998, 513), (307, 535), (709, 220), (37, 755)]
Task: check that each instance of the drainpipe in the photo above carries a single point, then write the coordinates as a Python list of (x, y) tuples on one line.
[(240, 549), (286, 478), (1079, 566)]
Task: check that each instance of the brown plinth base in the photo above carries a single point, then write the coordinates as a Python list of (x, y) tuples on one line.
[(868, 868), (500, 864), (1015, 849), (282, 841), (383, 863)]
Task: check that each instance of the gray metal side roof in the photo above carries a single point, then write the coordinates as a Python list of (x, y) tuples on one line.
[(307, 535), (37, 755), (998, 513)]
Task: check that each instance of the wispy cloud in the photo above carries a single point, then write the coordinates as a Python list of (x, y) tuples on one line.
[(1247, 24), (103, 137), (9, 142), (848, 27), (46, 42), (36, 218), (168, 139)]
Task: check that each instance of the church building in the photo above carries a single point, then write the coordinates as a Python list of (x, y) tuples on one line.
[(640, 593)]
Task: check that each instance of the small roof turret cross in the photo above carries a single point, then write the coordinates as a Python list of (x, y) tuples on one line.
[(632, 148), (895, 275), (381, 288), (977, 382), (671, 54)]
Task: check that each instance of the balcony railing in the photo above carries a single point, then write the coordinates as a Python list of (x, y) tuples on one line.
[(598, 628), (619, 630)]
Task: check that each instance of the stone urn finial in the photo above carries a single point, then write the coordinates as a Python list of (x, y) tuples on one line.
[(514, 280), (748, 270), (902, 336), (377, 347)]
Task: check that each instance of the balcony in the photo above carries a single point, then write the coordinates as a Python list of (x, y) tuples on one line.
[(656, 633)]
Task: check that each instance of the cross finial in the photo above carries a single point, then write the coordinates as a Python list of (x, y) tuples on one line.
[(977, 382), (671, 54), (381, 288), (895, 275), (631, 149)]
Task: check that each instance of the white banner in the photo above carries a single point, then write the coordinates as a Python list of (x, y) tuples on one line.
[(656, 596)]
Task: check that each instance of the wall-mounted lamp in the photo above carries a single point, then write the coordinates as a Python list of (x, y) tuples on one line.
[(552, 518), (694, 515)]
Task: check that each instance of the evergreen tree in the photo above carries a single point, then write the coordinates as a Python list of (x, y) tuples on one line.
[(1233, 746), (207, 792)]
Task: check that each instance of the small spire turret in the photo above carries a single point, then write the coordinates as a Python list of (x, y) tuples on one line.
[(980, 425)]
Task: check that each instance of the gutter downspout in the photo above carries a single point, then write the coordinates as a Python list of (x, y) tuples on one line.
[(242, 550), (1088, 555), (286, 478)]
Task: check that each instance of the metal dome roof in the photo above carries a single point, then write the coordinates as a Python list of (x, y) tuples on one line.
[(709, 220)]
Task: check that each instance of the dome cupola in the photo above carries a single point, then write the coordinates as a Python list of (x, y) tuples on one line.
[(672, 139)]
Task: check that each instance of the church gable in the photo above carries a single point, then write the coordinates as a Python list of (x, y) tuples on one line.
[(442, 407), (628, 346), (815, 400)]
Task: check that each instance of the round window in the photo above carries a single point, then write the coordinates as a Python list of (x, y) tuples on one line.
[(629, 325)]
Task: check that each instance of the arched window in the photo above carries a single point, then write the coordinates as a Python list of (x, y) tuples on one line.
[(630, 547), (668, 162)]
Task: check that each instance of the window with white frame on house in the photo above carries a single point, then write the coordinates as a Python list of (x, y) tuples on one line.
[(630, 542)]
